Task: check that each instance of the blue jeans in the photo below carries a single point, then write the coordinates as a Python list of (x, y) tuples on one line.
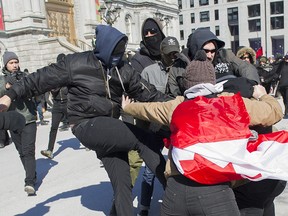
[(39, 110), (147, 187), (185, 197)]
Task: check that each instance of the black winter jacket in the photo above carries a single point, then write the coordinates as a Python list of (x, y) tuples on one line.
[(143, 57), (24, 106), (87, 94)]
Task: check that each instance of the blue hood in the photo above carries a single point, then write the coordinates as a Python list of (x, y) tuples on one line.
[(107, 38)]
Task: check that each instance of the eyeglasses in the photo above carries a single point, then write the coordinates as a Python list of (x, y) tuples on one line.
[(211, 51), (151, 31)]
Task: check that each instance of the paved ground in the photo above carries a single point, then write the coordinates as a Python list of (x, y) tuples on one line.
[(73, 183)]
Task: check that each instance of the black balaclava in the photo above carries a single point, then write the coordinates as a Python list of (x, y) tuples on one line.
[(152, 43), (118, 52)]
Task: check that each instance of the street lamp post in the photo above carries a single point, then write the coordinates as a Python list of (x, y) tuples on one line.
[(109, 13)]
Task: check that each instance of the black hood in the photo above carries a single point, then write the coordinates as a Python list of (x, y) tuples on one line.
[(152, 44), (197, 39)]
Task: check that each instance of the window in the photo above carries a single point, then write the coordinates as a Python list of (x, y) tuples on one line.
[(231, 0), (180, 4), (277, 22), (254, 25), (255, 43), (234, 30), (277, 7), (181, 19), (217, 30), (193, 30), (181, 35), (234, 45), (192, 18), (232, 14), (191, 3), (254, 10), (278, 46), (204, 16), (216, 14), (215, 1), (203, 2)]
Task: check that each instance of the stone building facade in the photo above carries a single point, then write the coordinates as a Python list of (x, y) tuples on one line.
[(37, 31), (257, 23)]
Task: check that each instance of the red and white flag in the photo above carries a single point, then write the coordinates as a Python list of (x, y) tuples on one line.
[(259, 52), (210, 139)]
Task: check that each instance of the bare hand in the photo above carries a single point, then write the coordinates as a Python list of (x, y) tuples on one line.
[(259, 91), (125, 101), (8, 85), (5, 103)]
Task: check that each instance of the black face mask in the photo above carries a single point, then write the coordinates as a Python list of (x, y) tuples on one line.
[(118, 52), (167, 60), (153, 44)]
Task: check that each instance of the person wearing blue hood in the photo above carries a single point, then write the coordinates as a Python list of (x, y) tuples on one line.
[(96, 82)]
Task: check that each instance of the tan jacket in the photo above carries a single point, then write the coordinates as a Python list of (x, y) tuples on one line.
[(265, 112)]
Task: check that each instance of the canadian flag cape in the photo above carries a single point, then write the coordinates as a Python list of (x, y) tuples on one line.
[(210, 139)]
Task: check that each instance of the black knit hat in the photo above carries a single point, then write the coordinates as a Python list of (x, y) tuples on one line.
[(200, 70), (9, 56)]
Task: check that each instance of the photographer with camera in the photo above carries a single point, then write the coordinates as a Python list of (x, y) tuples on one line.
[(25, 139)]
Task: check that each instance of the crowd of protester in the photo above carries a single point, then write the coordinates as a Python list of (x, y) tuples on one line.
[(175, 92)]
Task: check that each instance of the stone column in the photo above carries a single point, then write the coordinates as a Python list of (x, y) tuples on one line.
[(27, 7), (36, 7)]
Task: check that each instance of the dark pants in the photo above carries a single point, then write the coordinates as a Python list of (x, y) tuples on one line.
[(284, 93), (112, 139), (147, 185), (185, 197), (4, 137), (25, 145), (256, 198), (57, 117)]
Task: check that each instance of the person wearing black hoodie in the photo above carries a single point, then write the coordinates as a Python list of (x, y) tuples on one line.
[(96, 81), (226, 64), (149, 52)]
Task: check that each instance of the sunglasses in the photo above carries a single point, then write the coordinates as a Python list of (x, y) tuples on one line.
[(245, 57), (152, 31), (211, 51)]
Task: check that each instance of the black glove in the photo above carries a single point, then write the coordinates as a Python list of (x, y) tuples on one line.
[(12, 120), (11, 79)]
